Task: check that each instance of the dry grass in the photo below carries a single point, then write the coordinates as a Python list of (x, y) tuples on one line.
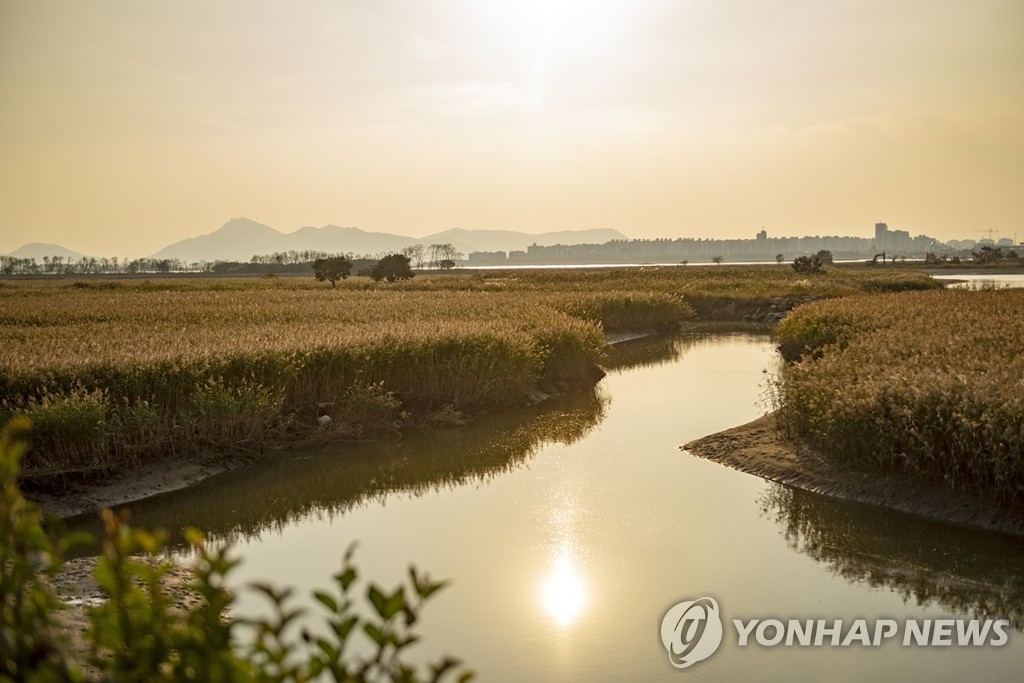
[(925, 382), (119, 371)]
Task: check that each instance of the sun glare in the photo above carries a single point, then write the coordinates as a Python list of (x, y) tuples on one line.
[(549, 46), (563, 594)]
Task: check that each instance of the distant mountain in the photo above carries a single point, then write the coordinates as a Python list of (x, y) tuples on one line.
[(240, 238), (38, 250), (334, 238), (236, 240)]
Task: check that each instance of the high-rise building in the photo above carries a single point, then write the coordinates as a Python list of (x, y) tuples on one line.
[(881, 230)]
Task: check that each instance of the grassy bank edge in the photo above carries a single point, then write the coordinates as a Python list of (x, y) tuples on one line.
[(923, 384), (762, 449)]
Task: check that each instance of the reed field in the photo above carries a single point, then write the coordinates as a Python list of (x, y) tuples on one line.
[(116, 372), (692, 282), (713, 292), (929, 383), (123, 376)]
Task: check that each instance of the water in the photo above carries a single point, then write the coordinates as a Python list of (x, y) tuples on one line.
[(570, 528), (1000, 280)]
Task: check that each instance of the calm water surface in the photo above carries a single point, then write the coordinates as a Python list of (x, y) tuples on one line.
[(570, 528), (983, 280)]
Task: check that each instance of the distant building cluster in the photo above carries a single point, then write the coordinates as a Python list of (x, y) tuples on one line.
[(760, 248)]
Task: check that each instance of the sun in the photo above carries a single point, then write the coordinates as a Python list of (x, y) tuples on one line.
[(550, 47), (550, 27)]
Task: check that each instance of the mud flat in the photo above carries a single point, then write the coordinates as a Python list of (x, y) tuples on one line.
[(131, 485), (759, 448)]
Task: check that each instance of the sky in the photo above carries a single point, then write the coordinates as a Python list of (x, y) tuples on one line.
[(128, 125)]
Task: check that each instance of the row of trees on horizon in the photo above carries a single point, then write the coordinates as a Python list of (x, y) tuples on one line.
[(421, 257)]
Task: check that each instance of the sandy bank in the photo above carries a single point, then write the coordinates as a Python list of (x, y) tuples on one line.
[(135, 484), (757, 448), (76, 587)]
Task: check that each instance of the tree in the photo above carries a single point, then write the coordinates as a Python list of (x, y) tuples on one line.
[(442, 252), (449, 253), (779, 258), (717, 260), (414, 252), (391, 268), (824, 257), (987, 255), (434, 251), (807, 264), (332, 269)]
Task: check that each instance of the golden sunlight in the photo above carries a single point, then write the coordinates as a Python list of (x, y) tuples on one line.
[(563, 593), (544, 35)]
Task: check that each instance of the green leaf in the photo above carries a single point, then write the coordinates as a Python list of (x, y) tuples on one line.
[(273, 594), (376, 635), (432, 588), (327, 647), (443, 666), (378, 600), (405, 642), (347, 577), (105, 575), (345, 627), (396, 603), (350, 552), (414, 577), (327, 600)]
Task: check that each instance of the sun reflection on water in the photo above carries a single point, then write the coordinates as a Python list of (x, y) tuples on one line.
[(563, 593)]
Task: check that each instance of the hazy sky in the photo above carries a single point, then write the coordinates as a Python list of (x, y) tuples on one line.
[(128, 125)]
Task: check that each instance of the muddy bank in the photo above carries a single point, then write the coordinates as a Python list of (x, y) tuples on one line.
[(76, 587), (135, 484), (758, 448), (765, 310)]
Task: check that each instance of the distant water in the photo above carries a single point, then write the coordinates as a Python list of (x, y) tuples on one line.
[(1013, 280)]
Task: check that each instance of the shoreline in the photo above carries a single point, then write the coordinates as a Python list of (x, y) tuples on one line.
[(133, 485), (165, 476), (757, 448)]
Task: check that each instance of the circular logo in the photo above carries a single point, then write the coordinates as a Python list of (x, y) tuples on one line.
[(691, 631)]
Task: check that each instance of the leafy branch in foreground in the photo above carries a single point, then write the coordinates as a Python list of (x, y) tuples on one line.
[(139, 633), (28, 557)]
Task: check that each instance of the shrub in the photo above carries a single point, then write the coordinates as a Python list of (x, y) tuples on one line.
[(136, 635)]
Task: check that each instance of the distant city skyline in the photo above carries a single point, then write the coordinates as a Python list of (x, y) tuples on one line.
[(126, 126), (241, 238)]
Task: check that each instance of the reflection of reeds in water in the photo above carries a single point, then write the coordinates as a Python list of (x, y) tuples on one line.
[(329, 481), (661, 350), (968, 572)]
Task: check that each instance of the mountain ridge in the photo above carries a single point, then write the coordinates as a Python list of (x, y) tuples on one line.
[(239, 239), (38, 250)]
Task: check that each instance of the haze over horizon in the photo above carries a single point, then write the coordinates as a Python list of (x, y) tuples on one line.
[(127, 126)]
